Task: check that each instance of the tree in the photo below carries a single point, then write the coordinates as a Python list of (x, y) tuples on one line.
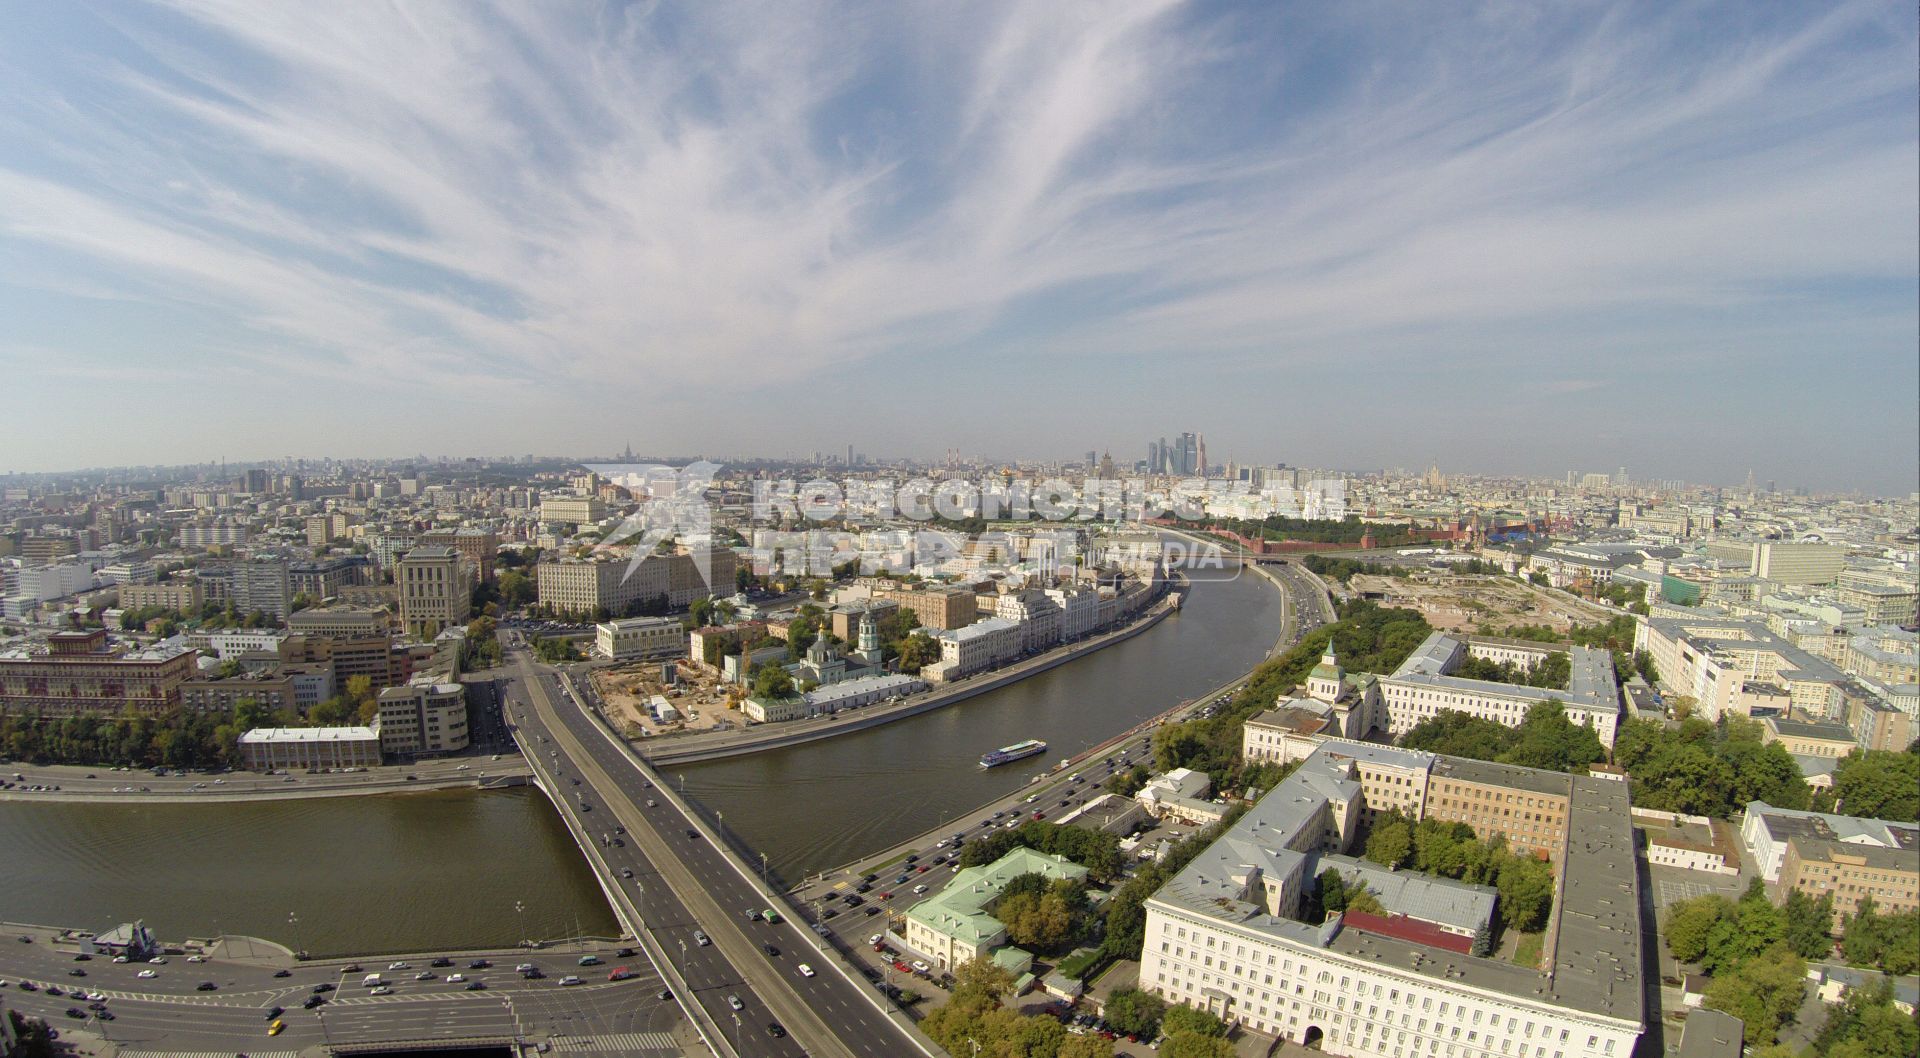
[(983, 976), (1763, 991), (772, 681), (1808, 923), (1135, 1013), (1085, 1047), (1879, 784), (1183, 1018), (1689, 922), (1363, 901), (1195, 1045), (1526, 893), (917, 651), (1333, 892), (1391, 842)]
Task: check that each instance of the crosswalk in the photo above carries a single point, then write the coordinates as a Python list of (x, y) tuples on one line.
[(617, 1042)]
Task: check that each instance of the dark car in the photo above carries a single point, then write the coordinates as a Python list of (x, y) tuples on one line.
[(476, 986), (913, 857), (774, 1030), (324, 986), (76, 972), (76, 1013), (274, 1012), (693, 834), (103, 1014), (479, 964), (314, 1001), (771, 951), (206, 986), (533, 974), (664, 994), (441, 961), (283, 973), (83, 957), (29, 986), (350, 968), (624, 953)]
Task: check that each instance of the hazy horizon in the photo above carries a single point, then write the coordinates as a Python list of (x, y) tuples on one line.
[(1675, 239)]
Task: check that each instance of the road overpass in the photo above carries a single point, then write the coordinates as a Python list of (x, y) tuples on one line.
[(687, 884)]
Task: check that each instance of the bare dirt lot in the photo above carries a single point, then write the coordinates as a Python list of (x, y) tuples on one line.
[(699, 698), (1474, 604)]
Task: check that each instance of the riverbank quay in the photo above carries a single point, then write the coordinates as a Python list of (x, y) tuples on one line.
[(688, 749), (103, 785)]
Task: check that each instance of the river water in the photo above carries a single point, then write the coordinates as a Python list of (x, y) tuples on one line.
[(384, 873), (445, 870), (822, 804)]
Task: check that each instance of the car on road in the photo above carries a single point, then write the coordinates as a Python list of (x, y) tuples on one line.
[(589, 960), (276, 1028), (76, 1013), (274, 1012), (283, 973), (479, 964), (196, 958), (734, 1002), (399, 966), (805, 970), (158, 960), (772, 952), (701, 938), (441, 961), (693, 835), (476, 986), (456, 978), (524, 967), (424, 975), (664, 994), (920, 967), (205, 986), (76, 972), (382, 990), (626, 872), (324, 986), (83, 957), (570, 980), (314, 1001)]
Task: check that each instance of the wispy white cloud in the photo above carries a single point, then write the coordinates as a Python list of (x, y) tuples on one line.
[(640, 195)]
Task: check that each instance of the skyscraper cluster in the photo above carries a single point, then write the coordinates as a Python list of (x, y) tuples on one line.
[(1184, 456)]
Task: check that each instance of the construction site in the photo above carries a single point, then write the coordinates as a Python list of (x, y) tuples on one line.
[(651, 699), (1476, 604)]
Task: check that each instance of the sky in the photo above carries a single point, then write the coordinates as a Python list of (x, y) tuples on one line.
[(1503, 237)]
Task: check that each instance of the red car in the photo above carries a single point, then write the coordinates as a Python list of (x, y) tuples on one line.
[(620, 973)]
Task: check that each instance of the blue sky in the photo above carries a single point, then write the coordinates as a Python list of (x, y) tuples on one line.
[(1510, 237)]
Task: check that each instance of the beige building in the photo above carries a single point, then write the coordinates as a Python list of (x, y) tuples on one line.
[(587, 586), (183, 594), (272, 690), (339, 622), (1847, 856), (81, 674), (936, 608), (436, 590), (640, 637), (423, 718), (478, 546), (572, 510)]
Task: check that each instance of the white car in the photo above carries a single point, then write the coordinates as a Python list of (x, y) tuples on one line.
[(121, 958), (569, 980), (148, 974), (805, 970), (920, 966), (196, 958), (398, 966), (158, 960), (381, 990), (454, 979), (876, 938)]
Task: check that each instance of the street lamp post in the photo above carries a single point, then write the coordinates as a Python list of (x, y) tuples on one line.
[(293, 920)]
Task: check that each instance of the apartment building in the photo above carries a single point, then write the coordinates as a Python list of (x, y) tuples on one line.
[(326, 578), (183, 594), (480, 547), (339, 622), (273, 690), (936, 607), (436, 591), (975, 648), (1711, 657), (423, 718), (80, 674), (572, 510), (1226, 935), (1527, 806), (213, 534), (262, 586), (1038, 616), (1808, 738), (1846, 856)]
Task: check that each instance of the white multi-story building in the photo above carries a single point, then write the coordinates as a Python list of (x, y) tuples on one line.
[(212, 534), (976, 647), (1712, 658), (1423, 686), (640, 637), (1224, 936), (1037, 615), (1079, 611)]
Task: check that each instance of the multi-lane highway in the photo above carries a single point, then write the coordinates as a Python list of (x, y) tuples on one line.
[(761, 988), (169, 1010)]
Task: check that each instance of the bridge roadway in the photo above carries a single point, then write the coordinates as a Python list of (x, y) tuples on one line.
[(684, 884)]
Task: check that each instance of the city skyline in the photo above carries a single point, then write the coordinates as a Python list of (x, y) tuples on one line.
[(1681, 240)]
